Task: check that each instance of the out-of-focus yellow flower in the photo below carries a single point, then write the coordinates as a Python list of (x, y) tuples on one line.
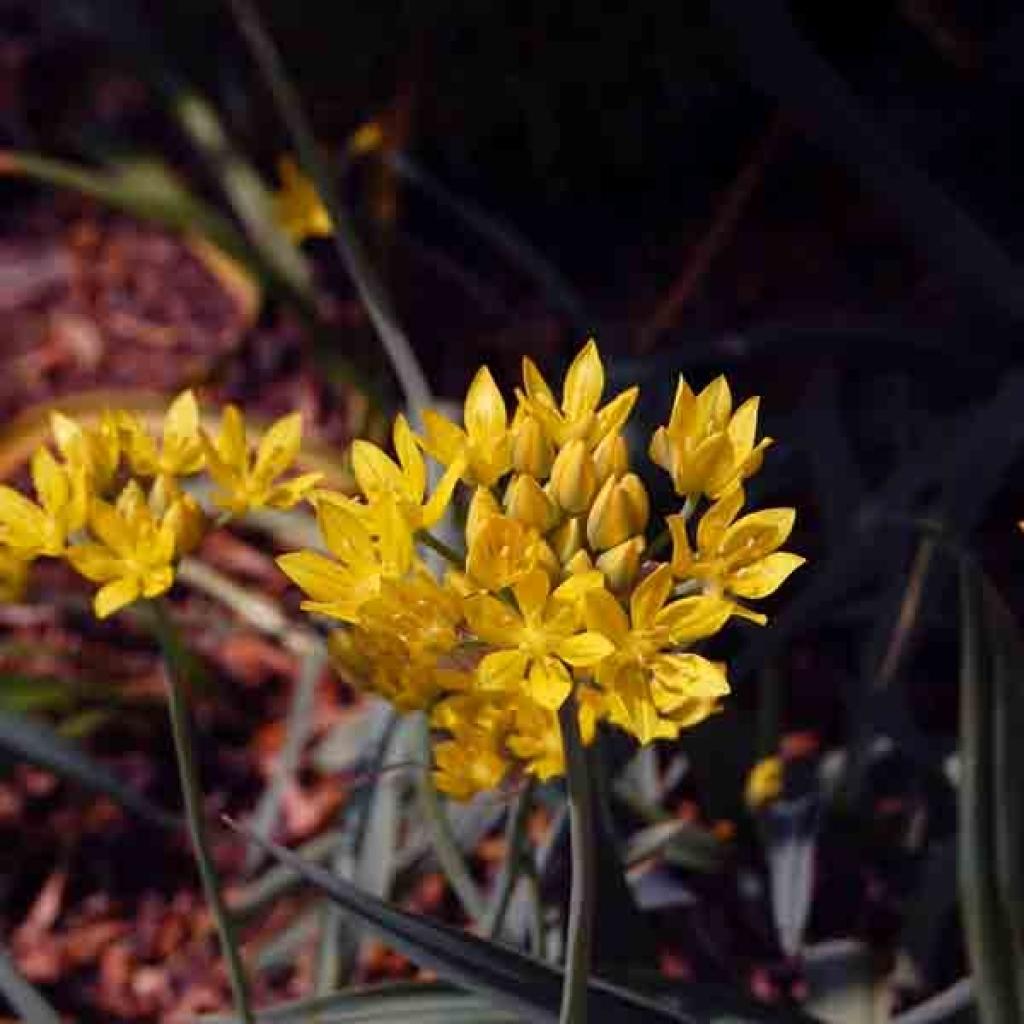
[(246, 483), (578, 416), (30, 530), (706, 448), (406, 480), (469, 763), (737, 558), (13, 576), (484, 444), (647, 682), (536, 643), (133, 552), (180, 451), (298, 209), (96, 451), (364, 554), (764, 783)]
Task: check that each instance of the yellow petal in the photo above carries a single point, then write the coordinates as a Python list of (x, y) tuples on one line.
[(718, 519), (376, 473), (482, 506), (742, 428), (549, 683), (584, 383), (765, 576), (682, 553), (531, 592), (691, 618), (682, 419), (756, 535), (611, 457), (115, 596), (620, 565), (278, 448), (536, 387), (492, 620), (649, 598), (109, 527), (157, 581), (434, 509), (484, 412), (23, 525), (585, 649), (50, 481), (532, 450), (574, 478), (502, 670), (678, 678), (395, 539), (317, 575), (291, 492), (692, 468), (345, 532), (611, 419), (714, 406), (181, 423), (95, 562), (409, 458), (604, 614), (526, 501), (443, 439)]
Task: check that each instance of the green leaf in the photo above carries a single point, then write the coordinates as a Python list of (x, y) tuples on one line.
[(19, 694), (412, 1002), (32, 741), (24, 999), (511, 979)]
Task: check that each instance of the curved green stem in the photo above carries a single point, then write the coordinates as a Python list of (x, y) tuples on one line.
[(449, 554), (581, 892), (446, 849), (514, 856), (192, 795)]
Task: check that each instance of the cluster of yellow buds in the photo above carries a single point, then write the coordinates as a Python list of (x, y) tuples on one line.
[(557, 591), (110, 498)]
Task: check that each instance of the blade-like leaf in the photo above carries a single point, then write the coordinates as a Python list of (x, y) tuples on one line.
[(31, 740), (953, 1006), (23, 998), (511, 979)]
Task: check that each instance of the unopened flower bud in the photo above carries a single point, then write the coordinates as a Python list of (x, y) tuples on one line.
[(579, 563), (532, 450), (619, 511), (482, 506), (611, 457), (567, 539), (526, 501), (574, 478), (188, 523), (621, 564)]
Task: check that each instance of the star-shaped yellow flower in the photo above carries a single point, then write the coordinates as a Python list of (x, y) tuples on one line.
[(536, 643), (180, 451), (738, 558), (578, 416), (246, 483), (95, 450)]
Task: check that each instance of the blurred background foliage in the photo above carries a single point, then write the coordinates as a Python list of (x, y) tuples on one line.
[(822, 201)]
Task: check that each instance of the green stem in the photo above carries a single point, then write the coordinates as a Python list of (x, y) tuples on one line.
[(193, 800), (662, 541), (581, 892), (446, 849), (449, 554), (514, 855)]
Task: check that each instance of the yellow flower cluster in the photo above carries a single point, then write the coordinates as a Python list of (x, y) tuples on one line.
[(111, 501), (558, 591)]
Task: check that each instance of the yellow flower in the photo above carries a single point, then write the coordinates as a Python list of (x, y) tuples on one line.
[(366, 550), (246, 483), (705, 447), (469, 763), (535, 736), (502, 550), (180, 452), (132, 555), (484, 446), (406, 480), (526, 501), (574, 478), (619, 512), (96, 450), (31, 530), (297, 206), (578, 416), (649, 684), (736, 558), (13, 576), (764, 783), (537, 642), (532, 450)]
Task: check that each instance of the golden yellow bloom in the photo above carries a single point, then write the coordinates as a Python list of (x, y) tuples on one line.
[(133, 552), (31, 530), (536, 643), (94, 450), (503, 550), (535, 736), (764, 783), (578, 416), (180, 451), (246, 483), (366, 550), (13, 576), (648, 683), (469, 763), (297, 206), (736, 558), (484, 446), (406, 480), (706, 448)]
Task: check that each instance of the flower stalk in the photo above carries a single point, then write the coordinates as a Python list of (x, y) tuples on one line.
[(193, 801), (582, 887)]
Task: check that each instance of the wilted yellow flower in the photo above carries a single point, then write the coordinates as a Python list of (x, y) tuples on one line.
[(246, 483), (737, 558), (484, 445), (132, 555), (578, 417), (13, 576), (180, 451), (537, 642), (764, 783), (31, 530), (648, 683), (365, 552), (406, 480), (706, 448), (298, 209)]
